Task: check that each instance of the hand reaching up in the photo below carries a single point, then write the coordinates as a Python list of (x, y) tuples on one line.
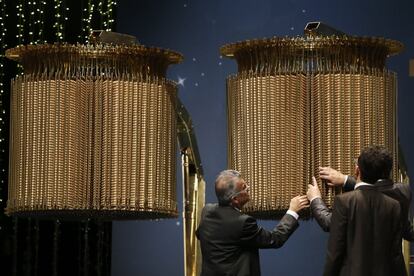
[(298, 203), (334, 177), (313, 190)]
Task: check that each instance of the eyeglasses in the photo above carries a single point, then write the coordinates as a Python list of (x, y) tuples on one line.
[(245, 189)]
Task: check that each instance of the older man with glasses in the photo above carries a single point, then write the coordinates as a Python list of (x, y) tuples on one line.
[(230, 239)]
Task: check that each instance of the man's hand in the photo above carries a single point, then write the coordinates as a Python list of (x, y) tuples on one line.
[(313, 190), (298, 203), (334, 177)]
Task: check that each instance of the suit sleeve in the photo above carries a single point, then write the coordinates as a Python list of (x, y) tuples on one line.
[(321, 213), (255, 236), (397, 227), (408, 229), (337, 239), (349, 184)]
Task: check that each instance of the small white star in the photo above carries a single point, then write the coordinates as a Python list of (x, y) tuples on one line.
[(181, 81), (196, 84), (177, 223), (202, 74), (303, 11), (194, 59), (220, 63), (185, 5), (292, 28)]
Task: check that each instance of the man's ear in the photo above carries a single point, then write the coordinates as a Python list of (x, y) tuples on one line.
[(357, 172), (234, 201)]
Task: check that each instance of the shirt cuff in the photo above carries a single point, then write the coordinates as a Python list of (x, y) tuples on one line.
[(293, 214), (346, 179), (315, 197)]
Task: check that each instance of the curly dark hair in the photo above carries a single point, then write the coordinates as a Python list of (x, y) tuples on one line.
[(375, 162)]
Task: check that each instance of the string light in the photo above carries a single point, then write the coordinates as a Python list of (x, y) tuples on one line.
[(105, 9), (91, 7), (58, 25), (82, 33), (20, 22), (41, 21), (31, 22), (35, 22), (107, 14), (20, 29), (61, 17), (37, 10), (65, 12), (101, 13), (3, 144), (110, 24)]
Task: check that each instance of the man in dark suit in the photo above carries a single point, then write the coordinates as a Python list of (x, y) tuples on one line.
[(399, 191), (365, 227), (230, 239)]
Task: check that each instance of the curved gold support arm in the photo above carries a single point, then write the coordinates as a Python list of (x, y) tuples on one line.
[(193, 190)]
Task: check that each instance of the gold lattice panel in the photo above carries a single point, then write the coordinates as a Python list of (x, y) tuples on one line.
[(267, 130), (300, 103), (93, 132), (349, 113), (93, 145)]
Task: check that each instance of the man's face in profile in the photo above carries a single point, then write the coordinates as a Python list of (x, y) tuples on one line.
[(242, 195)]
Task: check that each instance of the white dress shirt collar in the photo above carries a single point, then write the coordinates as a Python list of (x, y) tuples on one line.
[(362, 184)]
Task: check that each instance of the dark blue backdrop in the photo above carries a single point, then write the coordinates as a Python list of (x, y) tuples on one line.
[(197, 29)]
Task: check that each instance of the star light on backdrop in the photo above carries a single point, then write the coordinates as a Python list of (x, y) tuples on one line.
[(181, 81)]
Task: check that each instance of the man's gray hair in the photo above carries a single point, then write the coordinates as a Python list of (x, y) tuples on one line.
[(226, 186)]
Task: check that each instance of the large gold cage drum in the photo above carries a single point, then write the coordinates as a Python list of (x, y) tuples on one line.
[(93, 132), (300, 103)]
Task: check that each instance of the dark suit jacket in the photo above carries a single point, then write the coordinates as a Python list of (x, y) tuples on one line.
[(364, 237), (230, 240), (398, 191)]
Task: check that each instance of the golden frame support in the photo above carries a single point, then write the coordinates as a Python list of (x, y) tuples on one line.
[(193, 186)]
